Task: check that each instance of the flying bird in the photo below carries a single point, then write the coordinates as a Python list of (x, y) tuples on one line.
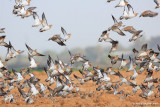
[(45, 24), (37, 21), (104, 37), (2, 43), (58, 39), (114, 46), (66, 35), (2, 30), (148, 13), (122, 3), (130, 14), (157, 3), (33, 52), (33, 64)]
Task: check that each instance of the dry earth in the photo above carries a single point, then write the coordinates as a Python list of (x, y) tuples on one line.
[(99, 99)]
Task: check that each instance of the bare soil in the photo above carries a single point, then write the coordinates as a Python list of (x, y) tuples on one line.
[(99, 99)]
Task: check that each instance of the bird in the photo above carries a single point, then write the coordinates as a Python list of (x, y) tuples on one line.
[(24, 2), (105, 78), (33, 64), (149, 77), (26, 97), (82, 81), (157, 3), (130, 14), (123, 62), (17, 9), (58, 40), (116, 26), (77, 58), (59, 82), (86, 65), (158, 47), (153, 56), (147, 92), (49, 77), (8, 55), (43, 88), (51, 65), (115, 89), (135, 87), (132, 65), (2, 64), (26, 13), (114, 46), (33, 52), (2, 43), (122, 3), (104, 37), (143, 52), (66, 35), (119, 24), (114, 59), (18, 75), (14, 52), (45, 24), (110, 1), (37, 21), (123, 80), (116, 29), (148, 13), (129, 29), (135, 36), (18, 2), (2, 30), (135, 74)]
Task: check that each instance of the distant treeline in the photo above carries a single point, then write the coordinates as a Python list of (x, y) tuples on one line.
[(98, 55)]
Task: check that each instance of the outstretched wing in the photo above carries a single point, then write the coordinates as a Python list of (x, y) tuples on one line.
[(63, 31), (29, 49), (130, 9), (114, 19), (44, 20), (144, 47)]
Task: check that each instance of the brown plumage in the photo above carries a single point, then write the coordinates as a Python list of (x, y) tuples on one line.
[(114, 46), (129, 29), (115, 28), (57, 39), (148, 13), (33, 52), (114, 59), (2, 43)]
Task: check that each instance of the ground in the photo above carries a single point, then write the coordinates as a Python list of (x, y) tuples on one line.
[(99, 99)]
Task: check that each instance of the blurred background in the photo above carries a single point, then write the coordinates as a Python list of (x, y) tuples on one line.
[(85, 20)]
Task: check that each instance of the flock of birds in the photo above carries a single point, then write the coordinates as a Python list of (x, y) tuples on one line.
[(30, 87)]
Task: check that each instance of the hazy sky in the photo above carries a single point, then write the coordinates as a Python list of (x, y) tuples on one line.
[(84, 19)]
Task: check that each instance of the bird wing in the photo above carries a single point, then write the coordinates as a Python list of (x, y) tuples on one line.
[(119, 32), (114, 19), (35, 16), (144, 47), (157, 2), (63, 31), (29, 49), (158, 47), (130, 9), (12, 48), (31, 8), (44, 23)]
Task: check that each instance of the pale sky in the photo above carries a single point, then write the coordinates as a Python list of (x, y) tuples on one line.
[(84, 19)]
